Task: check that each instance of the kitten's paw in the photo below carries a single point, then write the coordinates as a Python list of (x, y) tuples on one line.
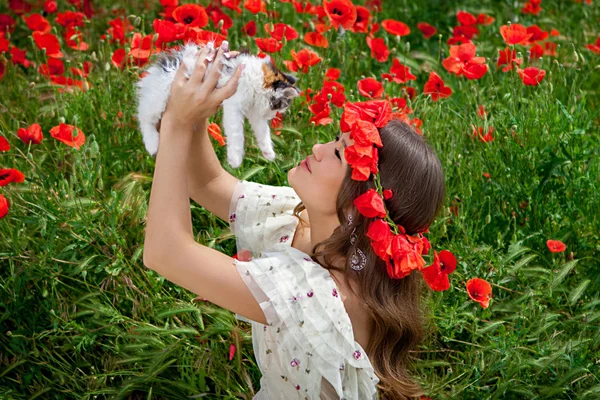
[(269, 155), (235, 160)]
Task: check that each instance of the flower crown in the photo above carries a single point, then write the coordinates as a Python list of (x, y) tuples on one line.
[(401, 252)]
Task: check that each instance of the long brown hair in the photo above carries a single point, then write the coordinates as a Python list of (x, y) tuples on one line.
[(411, 169)]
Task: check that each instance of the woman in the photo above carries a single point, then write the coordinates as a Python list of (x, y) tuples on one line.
[(327, 319)]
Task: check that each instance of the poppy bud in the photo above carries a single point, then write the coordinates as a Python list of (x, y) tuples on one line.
[(137, 21), (488, 219)]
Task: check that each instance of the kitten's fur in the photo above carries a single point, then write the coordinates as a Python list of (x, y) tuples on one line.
[(262, 92)]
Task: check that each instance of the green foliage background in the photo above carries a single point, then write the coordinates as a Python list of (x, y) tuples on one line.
[(81, 317)]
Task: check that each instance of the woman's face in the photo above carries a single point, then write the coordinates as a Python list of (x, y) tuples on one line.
[(318, 188)]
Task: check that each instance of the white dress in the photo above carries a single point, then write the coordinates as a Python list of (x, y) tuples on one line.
[(307, 350)]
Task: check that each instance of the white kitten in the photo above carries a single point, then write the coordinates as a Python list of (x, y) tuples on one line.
[(262, 92)]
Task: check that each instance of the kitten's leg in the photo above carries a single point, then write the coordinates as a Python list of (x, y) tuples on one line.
[(233, 125), (262, 132)]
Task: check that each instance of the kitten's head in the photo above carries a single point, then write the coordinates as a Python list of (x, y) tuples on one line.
[(282, 86)]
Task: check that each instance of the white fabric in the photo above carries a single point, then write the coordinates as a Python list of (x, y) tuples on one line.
[(308, 347)]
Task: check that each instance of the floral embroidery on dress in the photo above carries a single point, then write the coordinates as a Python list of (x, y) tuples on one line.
[(342, 366), (295, 299), (310, 294), (295, 362), (242, 196), (232, 217), (273, 196), (297, 387), (357, 355), (306, 259), (284, 239), (334, 292)]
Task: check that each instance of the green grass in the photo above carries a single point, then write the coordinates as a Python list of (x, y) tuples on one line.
[(81, 317)]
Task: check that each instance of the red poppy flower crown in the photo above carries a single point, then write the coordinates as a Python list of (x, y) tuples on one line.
[(401, 252)]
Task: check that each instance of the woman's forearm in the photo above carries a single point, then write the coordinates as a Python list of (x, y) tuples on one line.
[(203, 163)]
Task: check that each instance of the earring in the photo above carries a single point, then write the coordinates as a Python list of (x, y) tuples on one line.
[(358, 260)]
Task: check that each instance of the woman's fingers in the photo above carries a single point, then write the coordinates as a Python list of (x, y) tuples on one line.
[(215, 72), (201, 65), (230, 88)]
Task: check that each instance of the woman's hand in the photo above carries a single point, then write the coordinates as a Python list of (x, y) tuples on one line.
[(192, 101)]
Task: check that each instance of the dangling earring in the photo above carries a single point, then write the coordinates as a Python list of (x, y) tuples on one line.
[(358, 260)]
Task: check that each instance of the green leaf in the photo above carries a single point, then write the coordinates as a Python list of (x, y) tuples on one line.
[(563, 273), (578, 291)]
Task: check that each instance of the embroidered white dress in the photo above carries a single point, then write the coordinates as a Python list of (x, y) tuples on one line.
[(307, 350)]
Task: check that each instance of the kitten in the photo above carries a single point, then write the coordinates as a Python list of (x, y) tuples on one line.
[(262, 91)]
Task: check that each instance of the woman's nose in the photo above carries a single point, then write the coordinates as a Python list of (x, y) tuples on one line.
[(315, 148)]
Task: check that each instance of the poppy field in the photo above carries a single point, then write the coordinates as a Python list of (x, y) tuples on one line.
[(506, 92)]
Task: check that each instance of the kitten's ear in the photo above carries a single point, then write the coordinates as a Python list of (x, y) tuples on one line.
[(291, 79)]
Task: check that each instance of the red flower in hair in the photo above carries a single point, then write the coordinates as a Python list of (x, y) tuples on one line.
[(556, 246), (340, 12), (394, 27), (370, 88), (406, 256), (370, 204), (378, 112), (33, 133), (381, 236), (426, 29), (436, 87), (191, 15), (480, 291), (515, 34), (9, 175), (531, 76), (66, 133)]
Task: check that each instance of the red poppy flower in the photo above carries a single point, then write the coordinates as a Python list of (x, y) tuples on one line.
[(481, 111), (426, 29), (250, 28), (550, 49), (18, 57), (191, 15), (340, 12), (202, 37), (281, 30), (333, 92), (333, 74), (268, 45), (478, 132), (4, 206), (37, 23), (406, 256), (379, 50), (363, 17), (370, 88), (532, 7), (70, 18), (9, 175), (536, 51), (466, 18), (4, 144), (514, 34), (142, 48), (554, 32), (556, 246), (400, 73), (316, 39), (277, 122), (472, 70), (54, 66), (436, 275), (305, 58), (436, 87), (255, 6), (322, 117), (66, 134), (50, 6), (74, 39), (216, 15), (4, 44), (462, 61), (394, 27), (232, 5), (480, 291), (49, 42), (365, 133), (381, 236), (531, 76), (484, 19), (594, 47), (537, 34), (508, 57), (487, 175), (33, 134), (378, 112)]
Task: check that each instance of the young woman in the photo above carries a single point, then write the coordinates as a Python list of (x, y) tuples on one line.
[(328, 322)]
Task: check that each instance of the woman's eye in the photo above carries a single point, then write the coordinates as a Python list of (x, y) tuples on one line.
[(337, 153)]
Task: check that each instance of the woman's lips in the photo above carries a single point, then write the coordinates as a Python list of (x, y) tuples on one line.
[(308, 165), (304, 163)]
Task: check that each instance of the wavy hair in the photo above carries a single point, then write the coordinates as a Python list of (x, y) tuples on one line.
[(411, 169)]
